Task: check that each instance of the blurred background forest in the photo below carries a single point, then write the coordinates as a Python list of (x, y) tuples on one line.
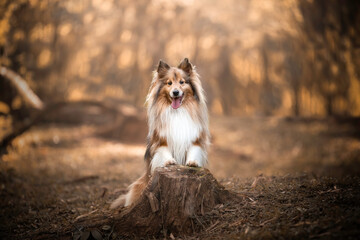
[(282, 58)]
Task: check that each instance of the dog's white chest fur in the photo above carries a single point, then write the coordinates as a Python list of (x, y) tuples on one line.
[(180, 131)]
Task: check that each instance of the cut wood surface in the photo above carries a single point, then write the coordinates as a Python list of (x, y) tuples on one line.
[(173, 199)]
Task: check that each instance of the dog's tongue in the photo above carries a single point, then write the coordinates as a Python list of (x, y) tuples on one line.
[(176, 103)]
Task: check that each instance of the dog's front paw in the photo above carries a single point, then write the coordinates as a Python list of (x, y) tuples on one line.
[(170, 162), (192, 164)]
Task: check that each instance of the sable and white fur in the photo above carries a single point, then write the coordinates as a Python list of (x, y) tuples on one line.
[(178, 124)]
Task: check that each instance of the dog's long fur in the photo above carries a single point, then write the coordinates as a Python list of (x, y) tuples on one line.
[(178, 125)]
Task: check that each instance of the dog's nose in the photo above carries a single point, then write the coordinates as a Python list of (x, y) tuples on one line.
[(176, 93)]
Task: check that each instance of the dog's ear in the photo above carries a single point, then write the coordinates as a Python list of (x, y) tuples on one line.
[(186, 66), (163, 67)]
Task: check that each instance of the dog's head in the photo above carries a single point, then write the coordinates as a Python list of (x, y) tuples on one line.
[(177, 85)]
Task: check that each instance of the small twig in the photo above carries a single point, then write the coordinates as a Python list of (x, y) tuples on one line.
[(267, 221), (202, 206), (85, 215), (212, 226), (104, 192), (237, 223), (256, 180), (112, 230), (330, 191), (199, 221), (192, 225), (320, 235)]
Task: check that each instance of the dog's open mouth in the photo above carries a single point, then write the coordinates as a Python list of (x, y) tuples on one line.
[(176, 102)]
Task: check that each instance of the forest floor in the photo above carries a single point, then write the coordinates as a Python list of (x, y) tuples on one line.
[(297, 178)]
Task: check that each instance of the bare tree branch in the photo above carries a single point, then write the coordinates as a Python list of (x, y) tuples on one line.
[(23, 88)]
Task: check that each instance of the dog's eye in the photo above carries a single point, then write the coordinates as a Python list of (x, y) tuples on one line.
[(169, 83), (181, 82)]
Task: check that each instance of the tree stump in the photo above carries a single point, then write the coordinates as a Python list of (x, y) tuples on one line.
[(174, 197)]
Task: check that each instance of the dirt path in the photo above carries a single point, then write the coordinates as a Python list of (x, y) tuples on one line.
[(297, 179)]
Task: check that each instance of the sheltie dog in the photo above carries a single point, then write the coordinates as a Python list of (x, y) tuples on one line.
[(178, 124)]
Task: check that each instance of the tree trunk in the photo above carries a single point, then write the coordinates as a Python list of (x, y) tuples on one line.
[(173, 199)]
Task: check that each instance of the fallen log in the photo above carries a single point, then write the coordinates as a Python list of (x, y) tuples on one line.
[(171, 203), (52, 113)]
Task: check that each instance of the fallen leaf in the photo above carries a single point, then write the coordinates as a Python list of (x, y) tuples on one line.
[(85, 235), (106, 228), (96, 234), (172, 236)]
